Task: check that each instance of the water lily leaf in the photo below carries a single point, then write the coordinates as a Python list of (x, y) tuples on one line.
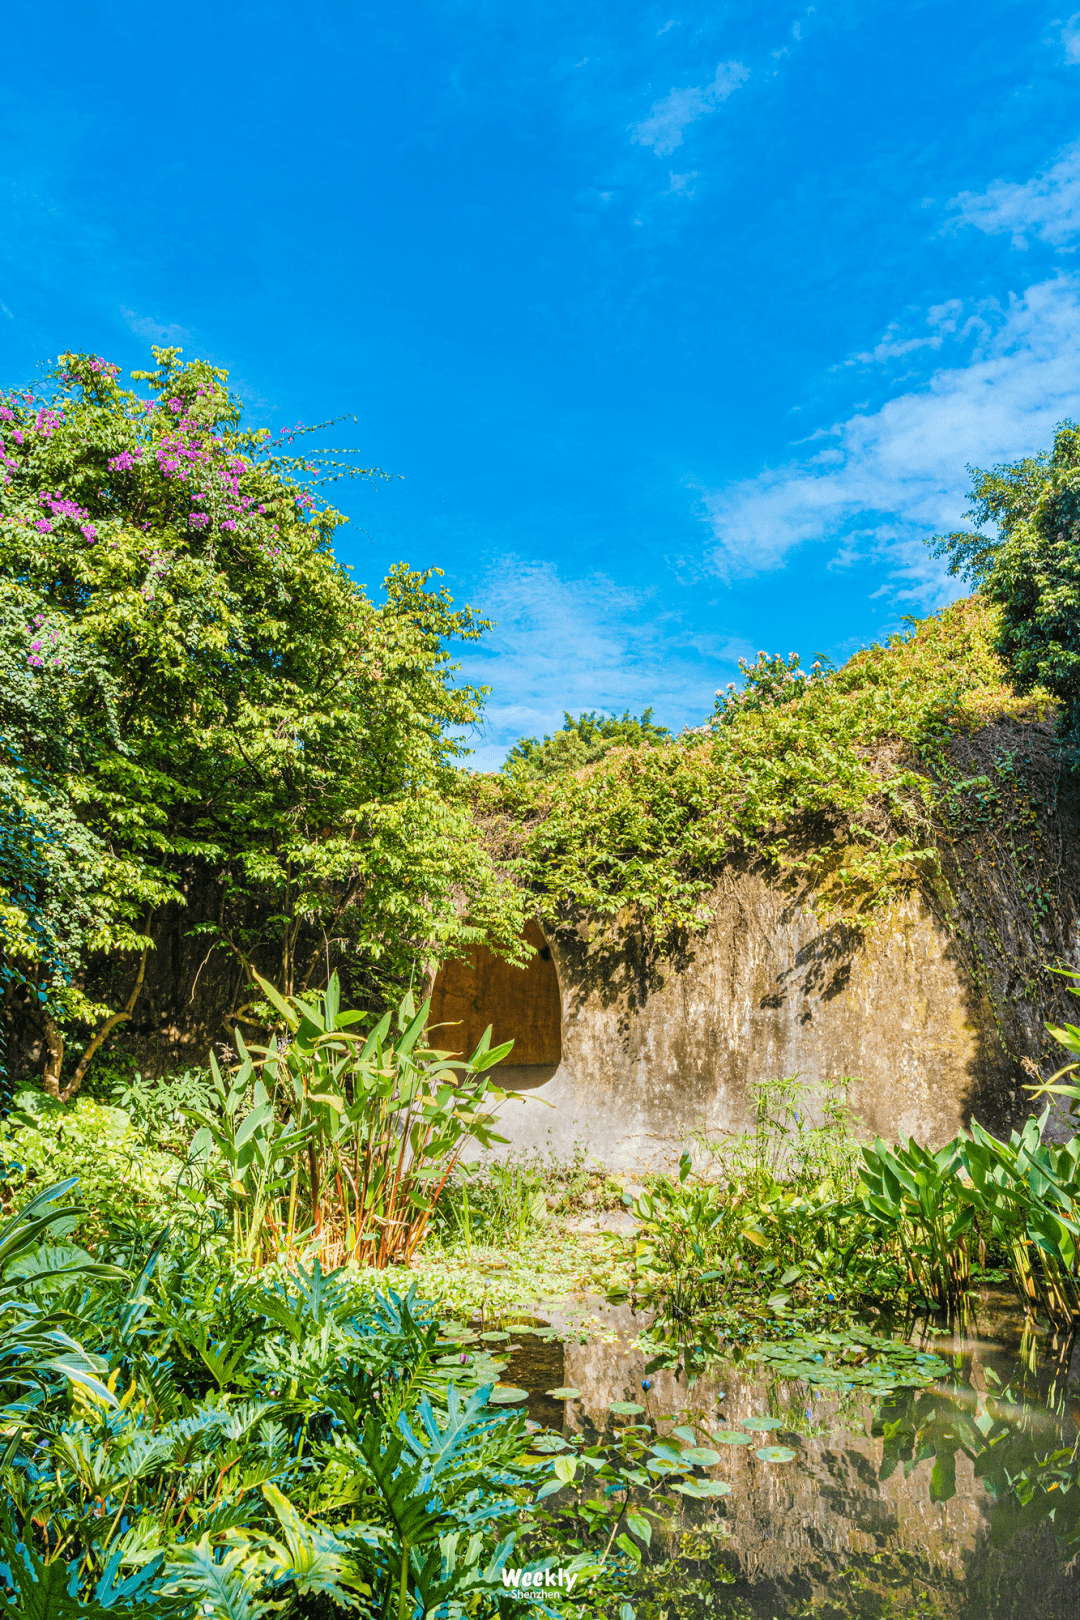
[(507, 1395), (492, 1334), (732, 1437), (701, 1487), (627, 1407), (567, 1394), (762, 1423), (775, 1454), (700, 1456)]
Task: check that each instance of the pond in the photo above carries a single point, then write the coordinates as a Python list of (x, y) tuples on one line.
[(948, 1500)]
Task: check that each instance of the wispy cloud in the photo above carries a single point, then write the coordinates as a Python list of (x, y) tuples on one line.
[(1048, 205), (878, 484), (943, 321), (145, 326), (1070, 38), (564, 643), (682, 185), (668, 119)]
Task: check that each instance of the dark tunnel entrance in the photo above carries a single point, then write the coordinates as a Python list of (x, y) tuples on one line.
[(521, 1004)]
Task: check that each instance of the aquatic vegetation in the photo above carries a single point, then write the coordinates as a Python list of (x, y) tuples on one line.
[(915, 1196), (770, 1230), (1024, 1195), (850, 1360)]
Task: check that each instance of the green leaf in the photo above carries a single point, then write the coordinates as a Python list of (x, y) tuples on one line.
[(640, 1527), (630, 1548)]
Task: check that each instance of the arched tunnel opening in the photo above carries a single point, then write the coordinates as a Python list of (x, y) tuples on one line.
[(521, 1005)]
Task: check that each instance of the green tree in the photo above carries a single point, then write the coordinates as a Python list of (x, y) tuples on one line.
[(1030, 568), (197, 686), (581, 741)]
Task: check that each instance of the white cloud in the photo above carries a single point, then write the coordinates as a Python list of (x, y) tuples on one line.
[(1048, 205), (663, 128), (574, 644), (682, 184), (158, 332), (882, 482), (1070, 38)]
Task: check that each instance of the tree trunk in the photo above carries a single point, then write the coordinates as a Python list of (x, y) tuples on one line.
[(103, 1033)]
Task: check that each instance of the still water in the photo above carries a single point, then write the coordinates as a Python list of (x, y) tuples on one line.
[(961, 1500)]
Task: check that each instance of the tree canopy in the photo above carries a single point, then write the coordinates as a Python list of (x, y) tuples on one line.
[(1030, 568), (581, 741), (192, 681)]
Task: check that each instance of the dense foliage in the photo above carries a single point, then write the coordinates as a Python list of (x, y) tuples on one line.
[(582, 740), (830, 777), (193, 689), (185, 1435), (1030, 569)]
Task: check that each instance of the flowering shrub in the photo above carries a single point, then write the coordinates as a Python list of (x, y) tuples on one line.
[(196, 683)]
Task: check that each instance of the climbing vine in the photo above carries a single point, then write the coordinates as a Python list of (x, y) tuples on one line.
[(842, 782)]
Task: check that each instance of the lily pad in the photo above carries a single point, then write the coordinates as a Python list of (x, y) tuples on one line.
[(732, 1437), (507, 1395), (700, 1456), (494, 1334), (775, 1454), (701, 1487), (762, 1423), (567, 1394), (625, 1408)]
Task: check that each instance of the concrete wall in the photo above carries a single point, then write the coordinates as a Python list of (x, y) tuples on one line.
[(653, 1048)]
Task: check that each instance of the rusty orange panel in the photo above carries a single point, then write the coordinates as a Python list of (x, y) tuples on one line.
[(521, 1004)]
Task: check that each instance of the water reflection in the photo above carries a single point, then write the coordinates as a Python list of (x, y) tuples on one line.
[(959, 1500)]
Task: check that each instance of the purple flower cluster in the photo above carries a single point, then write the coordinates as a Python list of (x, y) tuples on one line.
[(46, 422), (62, 507), (125, 460), (35, 657), (193, 451)]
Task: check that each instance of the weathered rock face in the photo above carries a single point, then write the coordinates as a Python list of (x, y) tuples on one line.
[(936, 1013), (764, 994), (652, 1051)]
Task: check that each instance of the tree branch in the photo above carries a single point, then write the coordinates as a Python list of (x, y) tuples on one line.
[(106, 1029)]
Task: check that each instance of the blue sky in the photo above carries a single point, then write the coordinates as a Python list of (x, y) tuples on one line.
[(678, 324)]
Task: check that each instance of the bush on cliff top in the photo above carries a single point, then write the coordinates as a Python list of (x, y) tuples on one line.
[(832, 778)]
